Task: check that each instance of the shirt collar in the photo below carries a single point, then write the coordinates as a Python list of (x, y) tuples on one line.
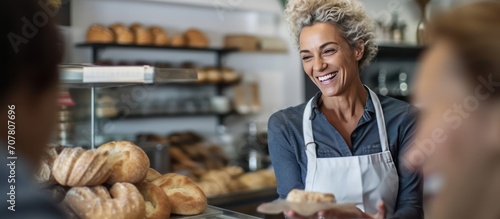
[(367, 115)]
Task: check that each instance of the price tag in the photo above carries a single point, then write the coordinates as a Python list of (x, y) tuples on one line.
[(114, 74)]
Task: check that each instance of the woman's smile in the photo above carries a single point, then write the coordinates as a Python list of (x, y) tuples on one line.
[(327, 78)]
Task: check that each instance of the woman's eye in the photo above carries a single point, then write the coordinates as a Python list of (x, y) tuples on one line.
[(329, 51), (305, 58)]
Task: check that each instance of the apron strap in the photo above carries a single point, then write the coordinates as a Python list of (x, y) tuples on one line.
[(382, 131), (307, 124)]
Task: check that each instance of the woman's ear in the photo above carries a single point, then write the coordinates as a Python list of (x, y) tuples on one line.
[(359, 49)]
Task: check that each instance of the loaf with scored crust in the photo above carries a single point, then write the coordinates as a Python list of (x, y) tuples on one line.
[(123, 201), (128, 162), (185, 197), (156, 201), (80, 167)]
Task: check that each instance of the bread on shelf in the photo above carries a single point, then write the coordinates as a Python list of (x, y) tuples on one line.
[(196, 38), (152, 175), (178, 40), (122, 34), (142, 35), (80, 167), (160, 36), (123, 200), (97, 33), (127, 161), (185, 197)]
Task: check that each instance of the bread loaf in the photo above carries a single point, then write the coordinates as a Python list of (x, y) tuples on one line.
[(97, 33), (43, 175), (156, 201), (152, 175), (142, 35), (185, 197), (122, 201), (297, 195), (122, 34), (128, 163), (178, 40), (79, 167), (195, 38), (160, 36)]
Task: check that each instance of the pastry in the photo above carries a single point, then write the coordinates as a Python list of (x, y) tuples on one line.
[(195, 38), (79, 167), (297, 195), (160, 36), (234, 171), (202, 75), (178, 40), (142, 35), (57, 193), (122, 201), (213, 75), (152, 175), (128, 162), (185, 197), (122, 34), (97, 33), (229, 75), (155, 200), (43, 175)]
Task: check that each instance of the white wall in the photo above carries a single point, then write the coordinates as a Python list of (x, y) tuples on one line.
[(279, 74)]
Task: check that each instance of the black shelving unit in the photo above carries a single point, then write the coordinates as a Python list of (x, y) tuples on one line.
[(97, 48), (180, 114)]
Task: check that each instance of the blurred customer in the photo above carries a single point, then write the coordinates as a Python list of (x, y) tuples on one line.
[(458, 90), (30, 48)]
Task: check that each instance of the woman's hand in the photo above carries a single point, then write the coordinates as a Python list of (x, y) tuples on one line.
[(341, 212)]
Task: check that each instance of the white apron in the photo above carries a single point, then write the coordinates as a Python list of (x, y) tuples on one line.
[(355, 179)]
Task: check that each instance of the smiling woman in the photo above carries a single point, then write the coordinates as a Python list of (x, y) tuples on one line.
[(346, 140)]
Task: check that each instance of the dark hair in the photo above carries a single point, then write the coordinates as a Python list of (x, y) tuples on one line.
[(474, 30), (31, 47)]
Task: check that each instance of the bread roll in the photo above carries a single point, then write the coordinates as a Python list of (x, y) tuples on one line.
[(186, 198), (97, 33), (178, 40), (43, 175), (156, 201), (79, 167), (152, 175), (234, 171), (142, 35), (195, 38), (122, 201), (123, 35), (297, 195), (160, 36), (128, 163)]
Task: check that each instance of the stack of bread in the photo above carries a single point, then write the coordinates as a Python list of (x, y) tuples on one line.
[(115, 181), (141, 35)]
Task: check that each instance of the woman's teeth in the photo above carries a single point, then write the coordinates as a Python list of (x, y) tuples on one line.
[(327, 77)]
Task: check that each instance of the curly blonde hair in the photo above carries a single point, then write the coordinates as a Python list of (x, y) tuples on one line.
[(347, 15)]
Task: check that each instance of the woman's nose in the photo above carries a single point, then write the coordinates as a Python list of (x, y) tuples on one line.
[(319, 65)]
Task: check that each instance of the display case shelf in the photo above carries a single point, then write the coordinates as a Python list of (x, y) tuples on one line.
[(171, 115)]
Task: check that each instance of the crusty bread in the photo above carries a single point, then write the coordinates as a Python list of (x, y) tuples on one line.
[(142, 35), (97, 33), (297, 195), (43, 175), (155, 200), (178, 40), (160, 36), (79, 167), (196, 38), (128, 163), (123, 35), (186, 198), (122, 201), (152, 175)]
